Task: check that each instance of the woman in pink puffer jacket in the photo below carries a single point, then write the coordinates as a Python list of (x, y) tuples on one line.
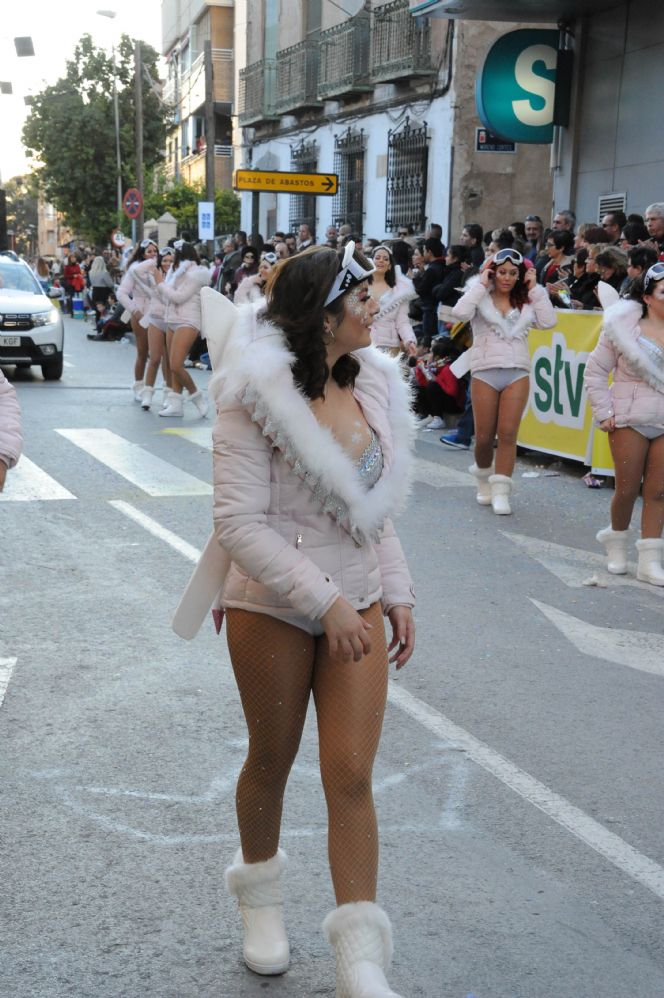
[(311, 457), (134, 294), (10, 428), (501, 305), (631, 411), (180, 290)]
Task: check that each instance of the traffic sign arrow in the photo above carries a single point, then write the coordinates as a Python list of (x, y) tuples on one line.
[(328, 183)]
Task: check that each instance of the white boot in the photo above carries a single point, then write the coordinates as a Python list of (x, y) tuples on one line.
[(501, 488), (361, 936), (137, 389), (200, 402), (615, 545), (257, 887), (649, 567), (174, 406), (483, 488), (146, 397)]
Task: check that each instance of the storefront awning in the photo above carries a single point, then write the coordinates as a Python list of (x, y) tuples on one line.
[(510, 10)]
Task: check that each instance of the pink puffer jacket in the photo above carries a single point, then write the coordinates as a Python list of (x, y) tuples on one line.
[(501, 341), (636, 397), (134, 291), (289, 507), (155, 307), (11, 441), (391, 326), (181, 292)]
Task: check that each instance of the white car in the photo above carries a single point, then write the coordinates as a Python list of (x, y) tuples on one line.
[(31, 326)]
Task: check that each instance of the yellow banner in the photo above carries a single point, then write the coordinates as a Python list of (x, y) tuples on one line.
[(558, 419)]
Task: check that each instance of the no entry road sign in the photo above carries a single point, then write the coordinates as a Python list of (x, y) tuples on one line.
[(132, 203), (283, 182)]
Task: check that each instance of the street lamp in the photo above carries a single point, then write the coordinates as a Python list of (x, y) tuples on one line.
[(111, 14)]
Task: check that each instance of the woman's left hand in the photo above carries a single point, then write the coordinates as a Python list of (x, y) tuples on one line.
[(403, 634), (530, 278)]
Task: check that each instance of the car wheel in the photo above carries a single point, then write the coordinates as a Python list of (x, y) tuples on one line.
[(52, 371)]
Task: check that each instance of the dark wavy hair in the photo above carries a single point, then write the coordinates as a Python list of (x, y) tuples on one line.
[(390, 273), (519, 293), (295, 294), (139, 253), (186, 252)]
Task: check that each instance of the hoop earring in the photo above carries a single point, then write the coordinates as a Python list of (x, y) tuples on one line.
[(328, 332)]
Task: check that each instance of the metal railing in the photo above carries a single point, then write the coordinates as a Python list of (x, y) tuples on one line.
[(400, 43), (297, 76), (344, 58), (258, 88)]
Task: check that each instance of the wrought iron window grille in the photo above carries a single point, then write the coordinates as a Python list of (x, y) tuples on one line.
[(302, 208), (348, 204), (400, 43), (407, 164)]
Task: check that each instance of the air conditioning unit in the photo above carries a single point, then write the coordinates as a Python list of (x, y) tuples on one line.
[(608, 203)]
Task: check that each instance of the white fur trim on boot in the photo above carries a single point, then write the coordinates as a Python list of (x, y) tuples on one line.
[(614, 543), (146, 397), (200, 402), (483, 488), (649, 567), (137, 389), (174, 406), (501, 488), (257, 886), (361, 937)]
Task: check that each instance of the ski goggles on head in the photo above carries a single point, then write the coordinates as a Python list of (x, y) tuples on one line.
[(178, 244), (269, 257), (148, 242), (351, 274), (503, 255), (654, 274), (166, 251)]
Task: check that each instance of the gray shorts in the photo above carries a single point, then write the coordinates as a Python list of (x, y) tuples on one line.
[(157, 323), (649, 432), (501, 378)]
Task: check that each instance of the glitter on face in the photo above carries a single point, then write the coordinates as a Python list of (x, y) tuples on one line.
[(356, 302)]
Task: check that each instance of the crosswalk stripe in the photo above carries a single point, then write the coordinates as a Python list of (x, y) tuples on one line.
[(138, 466), (6, 669), (27, 482), (426, 472)]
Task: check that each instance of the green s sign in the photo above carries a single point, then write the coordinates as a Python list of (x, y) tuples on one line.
[(516, 86)]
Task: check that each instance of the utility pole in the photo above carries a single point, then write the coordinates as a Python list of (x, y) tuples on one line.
[(209, 133), (138, 101)]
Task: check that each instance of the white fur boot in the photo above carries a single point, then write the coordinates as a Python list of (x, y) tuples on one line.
[(174, 406), (501, 488), (137, 388), (257, 887), (649, 567), (483, 488), (615, 545), (361, 936)]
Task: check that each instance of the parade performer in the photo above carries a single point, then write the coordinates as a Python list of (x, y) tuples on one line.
[(311, 457), (391, 330), (134, 295), (631, 411), (154, 321), (501, 305)]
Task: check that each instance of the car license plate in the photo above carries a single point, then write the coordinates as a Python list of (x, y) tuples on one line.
[(10, 341)]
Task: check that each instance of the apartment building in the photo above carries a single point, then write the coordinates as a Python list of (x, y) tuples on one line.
[(186, 26), (386, 101)]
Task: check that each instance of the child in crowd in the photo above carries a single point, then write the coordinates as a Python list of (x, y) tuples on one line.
[(437, 391)]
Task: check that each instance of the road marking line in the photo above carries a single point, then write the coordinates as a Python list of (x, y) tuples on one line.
[(27, 482), (188, 551), (138, 466), (573, 565), (611, 846), (426, 472), (6, 669), (67, 364), (639, 650), (623, 856)]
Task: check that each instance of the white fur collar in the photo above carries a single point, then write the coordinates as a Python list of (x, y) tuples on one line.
[(256, 368), (515, 323), (621, 327), (390, 301)]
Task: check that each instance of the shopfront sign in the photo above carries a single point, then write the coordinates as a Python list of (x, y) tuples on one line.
[(516, 86)]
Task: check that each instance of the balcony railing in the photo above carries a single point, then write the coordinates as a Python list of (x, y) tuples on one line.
[(400, 43), (258, 89), (297, 76), (344, 58)]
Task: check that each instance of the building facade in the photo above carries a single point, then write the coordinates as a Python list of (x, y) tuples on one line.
[(385, 101), (186, 27), (611, 154)]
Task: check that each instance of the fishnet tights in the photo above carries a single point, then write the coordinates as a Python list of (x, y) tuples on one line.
[(276, 667)]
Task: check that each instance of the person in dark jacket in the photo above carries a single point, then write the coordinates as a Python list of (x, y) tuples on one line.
[(448, 293), (582, 285), (472, 237), (424, 283)]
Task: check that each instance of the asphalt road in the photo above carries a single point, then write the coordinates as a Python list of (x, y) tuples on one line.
[(519, 782)]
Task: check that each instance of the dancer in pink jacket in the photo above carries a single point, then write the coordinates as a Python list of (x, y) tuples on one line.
[(134, 294), (501, 305), (11, 441), (311, 458), (631, 411)]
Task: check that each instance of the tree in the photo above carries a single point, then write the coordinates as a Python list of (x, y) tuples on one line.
[(22, 212), (181, 200), (71, 131)]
